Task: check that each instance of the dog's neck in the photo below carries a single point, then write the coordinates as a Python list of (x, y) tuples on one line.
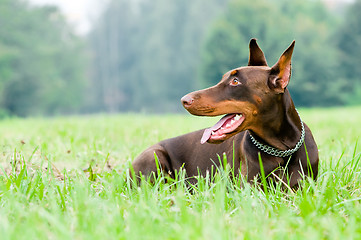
[(283, 127)]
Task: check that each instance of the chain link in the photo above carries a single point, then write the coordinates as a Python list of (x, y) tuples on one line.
[(280, 153)]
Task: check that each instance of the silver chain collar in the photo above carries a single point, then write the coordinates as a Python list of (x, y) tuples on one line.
[(276, 152)]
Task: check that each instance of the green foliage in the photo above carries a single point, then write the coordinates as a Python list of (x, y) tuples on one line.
[(275, 24), (42, 63), (348, 40), (41, 202), (161, 50)]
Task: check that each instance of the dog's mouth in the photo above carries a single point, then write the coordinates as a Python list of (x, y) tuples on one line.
[(225, 126)]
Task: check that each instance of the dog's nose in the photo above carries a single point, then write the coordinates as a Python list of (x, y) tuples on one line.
[(187, 101)]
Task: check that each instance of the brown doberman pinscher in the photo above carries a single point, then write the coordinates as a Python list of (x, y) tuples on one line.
[(260, 120)]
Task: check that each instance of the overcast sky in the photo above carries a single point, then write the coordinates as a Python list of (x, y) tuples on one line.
[(81, 13)]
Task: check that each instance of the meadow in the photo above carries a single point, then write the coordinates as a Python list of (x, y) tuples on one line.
[(65, 178)]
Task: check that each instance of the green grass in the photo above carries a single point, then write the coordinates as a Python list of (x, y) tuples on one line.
[(64, 178)]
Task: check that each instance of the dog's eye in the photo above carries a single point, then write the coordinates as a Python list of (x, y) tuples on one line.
[(234, 82)]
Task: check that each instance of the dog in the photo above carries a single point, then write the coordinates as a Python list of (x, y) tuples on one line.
[(260, 123)]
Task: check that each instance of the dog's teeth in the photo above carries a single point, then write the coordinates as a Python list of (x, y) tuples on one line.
[(222, 128), (212, 133), (232, 121), (228, 125), (237, 117)]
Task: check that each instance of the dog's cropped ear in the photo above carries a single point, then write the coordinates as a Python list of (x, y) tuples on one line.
[(256, 56), (281, 72)]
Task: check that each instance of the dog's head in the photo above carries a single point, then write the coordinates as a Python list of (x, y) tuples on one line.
[(246, 95)]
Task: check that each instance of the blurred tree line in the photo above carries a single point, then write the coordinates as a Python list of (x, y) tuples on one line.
[(42, 67), (144, 55), (147, 52)]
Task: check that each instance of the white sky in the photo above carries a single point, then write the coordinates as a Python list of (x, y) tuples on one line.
[(80, 13)]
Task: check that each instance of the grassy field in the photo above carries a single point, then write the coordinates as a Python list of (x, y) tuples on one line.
[(64, 178)]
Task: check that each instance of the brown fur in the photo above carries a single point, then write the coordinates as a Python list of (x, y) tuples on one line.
[(270, 115)]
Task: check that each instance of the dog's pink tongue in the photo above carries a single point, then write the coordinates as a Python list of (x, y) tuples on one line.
[(208, 132)]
